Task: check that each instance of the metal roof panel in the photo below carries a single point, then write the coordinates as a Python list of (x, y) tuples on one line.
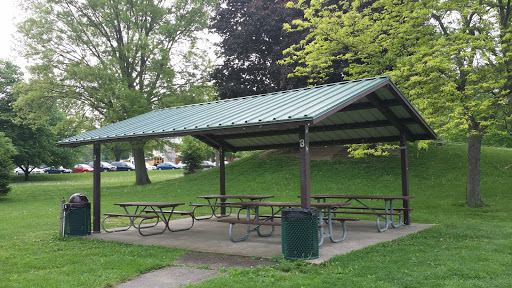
[(269, 112)]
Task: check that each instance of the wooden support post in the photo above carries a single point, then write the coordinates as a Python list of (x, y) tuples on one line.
[(96, 216), (305, 193), (222, 176), (405, 177)]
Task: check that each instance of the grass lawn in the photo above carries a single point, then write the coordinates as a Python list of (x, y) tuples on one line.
[(470, 247)]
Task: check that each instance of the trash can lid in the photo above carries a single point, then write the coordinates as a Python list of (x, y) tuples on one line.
[(78, 198)]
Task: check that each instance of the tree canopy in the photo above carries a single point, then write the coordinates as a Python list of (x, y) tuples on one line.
[(113, 60), (252, 41), (7, 151), (450, 58), (35, 145)]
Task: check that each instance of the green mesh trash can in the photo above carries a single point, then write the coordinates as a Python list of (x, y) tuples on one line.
[(299, 230), (77, 216)]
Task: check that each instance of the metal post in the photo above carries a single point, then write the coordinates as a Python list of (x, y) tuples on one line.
[(96, 217), (305, 193), (222, 176), (405, 177), (62, 219)]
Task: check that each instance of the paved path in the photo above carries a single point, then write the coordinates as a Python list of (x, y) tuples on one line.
[(177, 276)]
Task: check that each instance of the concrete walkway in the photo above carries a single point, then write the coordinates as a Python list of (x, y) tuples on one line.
[(177, 276)]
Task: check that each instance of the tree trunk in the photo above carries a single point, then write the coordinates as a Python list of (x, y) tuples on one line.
[(473, 181), (141, 173), (217, 158)]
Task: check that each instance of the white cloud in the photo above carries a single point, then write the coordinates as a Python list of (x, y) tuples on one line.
[(9, 15)]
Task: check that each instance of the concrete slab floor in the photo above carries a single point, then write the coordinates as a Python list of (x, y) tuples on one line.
[(212, 236)]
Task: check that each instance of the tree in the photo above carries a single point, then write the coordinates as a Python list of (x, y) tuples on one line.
[(35, 144), (116, 59), (7, 151), (251, 47), (116, 150), (192, 154), (448, 56)]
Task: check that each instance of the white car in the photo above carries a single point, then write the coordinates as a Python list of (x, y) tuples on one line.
[(18, 171), (37, 171), (208, 164), (150, 167)]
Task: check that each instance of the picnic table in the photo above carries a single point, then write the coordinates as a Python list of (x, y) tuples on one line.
[(387, 212), (147, 211), (216, 202), (261, 220)]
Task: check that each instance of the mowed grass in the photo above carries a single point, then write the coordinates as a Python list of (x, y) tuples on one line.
[(469, 247)]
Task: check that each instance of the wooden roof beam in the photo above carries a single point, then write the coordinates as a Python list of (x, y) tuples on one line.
[(212, 141), (315, 129), (323, 143), (374, 100)]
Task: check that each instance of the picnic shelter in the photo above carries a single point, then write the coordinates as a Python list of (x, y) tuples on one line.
[(371, 110)]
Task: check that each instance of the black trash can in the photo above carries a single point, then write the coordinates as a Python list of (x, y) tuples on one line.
[(299, 230), (77, 216)]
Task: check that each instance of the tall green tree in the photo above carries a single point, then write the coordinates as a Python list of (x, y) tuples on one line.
[(252, 41), (193, 152), (116, 150), (35, 144), (115, 59), (7, 151), (448, 56)]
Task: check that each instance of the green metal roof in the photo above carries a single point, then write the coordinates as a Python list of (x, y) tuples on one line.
[(360, 111)]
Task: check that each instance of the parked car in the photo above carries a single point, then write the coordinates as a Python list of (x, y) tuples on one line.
[(181, 165), (105, 166), (208, 164), (167, 166), (53, 170), (19, 171), (37, 171), (82, 168), (150, 167), (123, 166)]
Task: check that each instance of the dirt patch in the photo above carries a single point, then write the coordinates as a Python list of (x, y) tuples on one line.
[(216, 261), (264, 154), (321, 153), (325, 153)]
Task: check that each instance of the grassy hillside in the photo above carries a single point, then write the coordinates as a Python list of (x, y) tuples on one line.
[(470, 247)]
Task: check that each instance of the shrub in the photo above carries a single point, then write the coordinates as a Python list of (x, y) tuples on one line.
[(6, 153), (192, 155)]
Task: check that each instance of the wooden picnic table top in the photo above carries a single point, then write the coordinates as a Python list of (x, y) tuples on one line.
[(371, 197), (154, 204), (289, 204), (249, 197)]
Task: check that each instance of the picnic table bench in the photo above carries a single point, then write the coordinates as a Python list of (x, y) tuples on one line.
[(174, 212), (386, 213), (152, 210), (216, 202), (268, 220)]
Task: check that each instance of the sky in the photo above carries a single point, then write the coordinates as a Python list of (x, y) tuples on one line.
[(9, 15)]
